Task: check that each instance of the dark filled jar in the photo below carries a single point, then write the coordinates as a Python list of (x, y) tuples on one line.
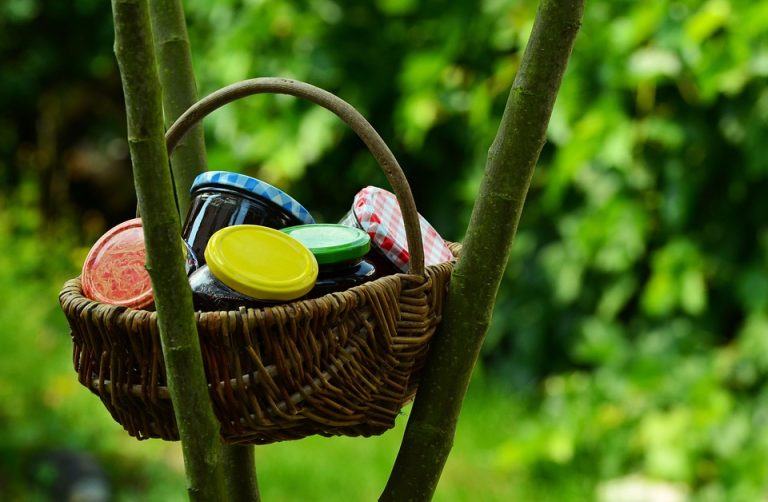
[(209, 294), (377, 212), (252, 266), (190, 260), (339, 251), (221, 199)]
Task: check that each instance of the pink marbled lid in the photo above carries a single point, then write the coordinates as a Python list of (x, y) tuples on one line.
[(114, 270)]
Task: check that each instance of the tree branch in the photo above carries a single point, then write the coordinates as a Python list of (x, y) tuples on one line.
[(198, 427), (177, 78), (240, 470), (511, 160)]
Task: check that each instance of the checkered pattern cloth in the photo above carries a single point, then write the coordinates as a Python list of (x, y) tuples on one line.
[(377, 212), (257, 187)]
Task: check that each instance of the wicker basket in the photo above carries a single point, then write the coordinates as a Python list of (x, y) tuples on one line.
[(342, 364)]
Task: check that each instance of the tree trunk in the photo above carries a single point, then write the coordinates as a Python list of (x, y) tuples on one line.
[(511, 160), (240, 474), (187, 385), (177, 78)]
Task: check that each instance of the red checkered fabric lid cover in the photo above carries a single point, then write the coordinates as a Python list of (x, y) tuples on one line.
[(377, 212)]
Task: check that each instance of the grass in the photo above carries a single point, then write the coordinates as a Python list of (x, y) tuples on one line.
[(315, 468), (357, 469)]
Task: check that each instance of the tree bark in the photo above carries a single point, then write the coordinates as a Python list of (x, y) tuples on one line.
[(177, 78), (240, 469), (511, 161), (197, 424)]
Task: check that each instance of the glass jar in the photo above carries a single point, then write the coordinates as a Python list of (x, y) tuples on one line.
[(114, 270), (252, 266), (339, 251), (190, 260), (209, 294), (342, 276), (377, 212), (221, 199)]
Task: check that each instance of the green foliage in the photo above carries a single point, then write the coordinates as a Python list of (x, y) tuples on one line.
[(646, 205), (666, 410), (429, 76), (640, 262), (44, 407), (632, 325)]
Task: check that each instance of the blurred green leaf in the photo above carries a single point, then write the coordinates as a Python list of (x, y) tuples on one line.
[(652, 64), (662, 434), (677, 280), (712, 15), (630, 328), (601, 342)]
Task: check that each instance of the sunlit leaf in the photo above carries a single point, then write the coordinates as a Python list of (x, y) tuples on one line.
[(653, 63), (712, 16)]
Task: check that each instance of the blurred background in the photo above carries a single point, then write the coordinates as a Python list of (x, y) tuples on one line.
[(629, 344)]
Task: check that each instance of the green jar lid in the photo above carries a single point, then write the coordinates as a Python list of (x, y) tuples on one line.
[(331, 243)]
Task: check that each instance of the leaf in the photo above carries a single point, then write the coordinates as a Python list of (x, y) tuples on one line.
[(677, 280), (396, 7), (693, 297), (712, 16), (600, 342), (653, 64)]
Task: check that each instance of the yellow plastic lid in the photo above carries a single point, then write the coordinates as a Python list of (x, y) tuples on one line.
[(261, 262)]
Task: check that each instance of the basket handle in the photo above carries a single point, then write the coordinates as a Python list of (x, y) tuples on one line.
[(345, 112)]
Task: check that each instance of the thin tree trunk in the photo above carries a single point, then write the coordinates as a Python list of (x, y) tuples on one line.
[(177, 78), (511, 160), (197, 424), (240, 468)]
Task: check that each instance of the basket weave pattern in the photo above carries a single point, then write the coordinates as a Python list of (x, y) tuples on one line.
[(342, 364)]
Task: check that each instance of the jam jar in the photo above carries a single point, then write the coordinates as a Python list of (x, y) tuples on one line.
[(114, 271), (340, 252), (221, 199), (377, 212), (190, 260), (252, 266)]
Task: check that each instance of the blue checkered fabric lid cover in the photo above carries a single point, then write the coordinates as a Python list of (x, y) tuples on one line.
[(257, 187)]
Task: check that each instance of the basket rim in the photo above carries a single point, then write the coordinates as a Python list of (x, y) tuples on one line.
[(201, 316)]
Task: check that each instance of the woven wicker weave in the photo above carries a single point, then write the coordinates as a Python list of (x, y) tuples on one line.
[(342, 364)]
